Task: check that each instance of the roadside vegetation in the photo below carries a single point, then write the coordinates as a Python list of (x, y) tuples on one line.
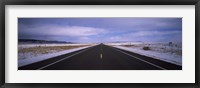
[(24, 52)]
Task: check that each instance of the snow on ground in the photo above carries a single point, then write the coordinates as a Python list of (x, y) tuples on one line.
[(169, 52), (124, 43), (41, 45), (29, 59)]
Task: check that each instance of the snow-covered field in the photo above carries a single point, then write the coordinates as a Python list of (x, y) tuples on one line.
[(40, 45), (166, 51), (33, 53)]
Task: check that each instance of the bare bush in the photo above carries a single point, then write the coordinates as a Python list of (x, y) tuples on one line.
[(128, 45), (146, 48)]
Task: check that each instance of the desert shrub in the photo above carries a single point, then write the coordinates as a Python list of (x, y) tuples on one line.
[(146, 48), (128, 45)]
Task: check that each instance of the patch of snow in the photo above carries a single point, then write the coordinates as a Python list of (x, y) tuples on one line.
[(124, 43), (23, 62), (164, 56), (37, 45)]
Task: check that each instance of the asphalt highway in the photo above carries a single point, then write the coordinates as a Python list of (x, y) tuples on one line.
[(101, 57)]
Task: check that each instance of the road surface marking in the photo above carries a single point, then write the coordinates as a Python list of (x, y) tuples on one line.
[(62, 59), (141, 59), (101, 56)]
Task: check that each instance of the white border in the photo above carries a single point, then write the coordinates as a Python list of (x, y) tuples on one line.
[(187, 75)]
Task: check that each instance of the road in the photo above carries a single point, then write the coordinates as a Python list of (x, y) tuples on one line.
[(101, 57)]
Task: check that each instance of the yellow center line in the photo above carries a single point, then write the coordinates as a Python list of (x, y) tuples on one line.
[(101, 56)]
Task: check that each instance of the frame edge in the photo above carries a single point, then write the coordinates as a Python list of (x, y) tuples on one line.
[(2, 43), (197, 35)]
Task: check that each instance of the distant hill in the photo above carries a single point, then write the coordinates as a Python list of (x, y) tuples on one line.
[(41, 41)]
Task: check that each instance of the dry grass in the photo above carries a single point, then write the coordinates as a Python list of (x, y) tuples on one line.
[(128, 45), (46, 49), (171, 49)]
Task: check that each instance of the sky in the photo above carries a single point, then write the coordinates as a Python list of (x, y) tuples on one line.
[(100, 30)]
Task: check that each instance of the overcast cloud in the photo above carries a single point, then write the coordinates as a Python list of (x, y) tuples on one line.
[(101, 29)]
